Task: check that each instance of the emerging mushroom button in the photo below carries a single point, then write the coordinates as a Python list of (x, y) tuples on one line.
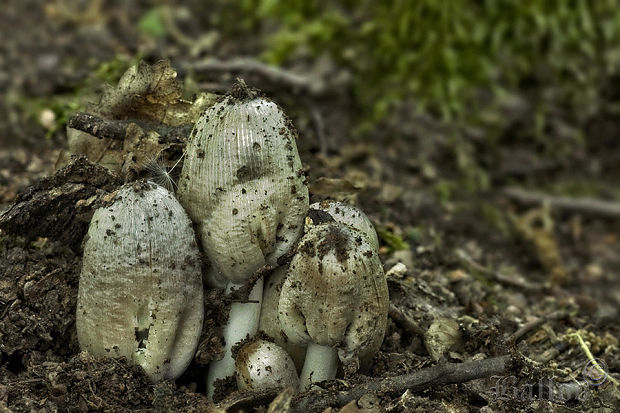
[(262, 365), (334, 300)]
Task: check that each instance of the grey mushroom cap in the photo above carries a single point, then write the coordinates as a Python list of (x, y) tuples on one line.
[(140, 289), (242, 185), (351, 216), (262, 365), (335, 293)]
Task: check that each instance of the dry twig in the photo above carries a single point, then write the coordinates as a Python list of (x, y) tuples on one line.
[(449, 373), (499, 277), (579, 205), (408, 324), (246, 65), (117, 129), (526, 328)]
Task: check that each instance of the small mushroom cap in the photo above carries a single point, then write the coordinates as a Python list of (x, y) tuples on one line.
[(140, 290), (335, 293), (351, 216), (262, 365), (241, 184)]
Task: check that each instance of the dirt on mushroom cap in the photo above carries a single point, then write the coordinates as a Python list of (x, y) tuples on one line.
[(335, 293)]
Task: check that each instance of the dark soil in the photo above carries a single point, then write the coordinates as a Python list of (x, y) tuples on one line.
[(480, 259)]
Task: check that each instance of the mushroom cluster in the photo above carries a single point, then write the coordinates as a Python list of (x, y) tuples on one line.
[(242, 186), (333, 298)]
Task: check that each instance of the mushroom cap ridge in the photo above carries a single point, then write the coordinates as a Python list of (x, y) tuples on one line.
[(242, 185), (140, 289)]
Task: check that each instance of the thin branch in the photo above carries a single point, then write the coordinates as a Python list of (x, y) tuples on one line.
[(99, 127), (498, 276), (526, 328), (246, 65), (436, 376), (589, 206), (241, 294), (403, 319), (116, 129)]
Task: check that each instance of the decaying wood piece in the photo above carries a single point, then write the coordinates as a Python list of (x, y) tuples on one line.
[(436, 376), (135, 121), (60, 207), (116, 129)]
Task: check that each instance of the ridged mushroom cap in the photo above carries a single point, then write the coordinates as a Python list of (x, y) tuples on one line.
[(242, 185), (351, 216), (262, 365), (335, 293), (140, 289)]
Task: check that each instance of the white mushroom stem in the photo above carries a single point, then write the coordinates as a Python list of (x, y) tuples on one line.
[(242, 322), (321, 364)]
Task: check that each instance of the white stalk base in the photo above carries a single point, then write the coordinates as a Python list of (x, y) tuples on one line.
[(242, 321), (321, 364)]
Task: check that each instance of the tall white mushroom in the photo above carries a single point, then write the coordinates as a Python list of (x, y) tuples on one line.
[(243, 187), (334, 300), (140, 290)]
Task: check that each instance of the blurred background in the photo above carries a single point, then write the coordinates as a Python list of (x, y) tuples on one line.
[(462, 94), (422, 110)]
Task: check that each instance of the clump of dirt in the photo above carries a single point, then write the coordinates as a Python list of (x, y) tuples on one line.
[(334, 240), (38, 292), (84, 383), (60, 207)]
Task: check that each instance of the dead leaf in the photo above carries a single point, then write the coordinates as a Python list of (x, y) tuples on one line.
[(536, 228), (334, 188), (282, 403), (148, 96)]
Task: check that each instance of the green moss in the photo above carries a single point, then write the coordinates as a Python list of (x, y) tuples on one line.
[(394, 242), (152, 23), (496, 219), (440, 52), (111, 71), (444, 190), (460, 61)]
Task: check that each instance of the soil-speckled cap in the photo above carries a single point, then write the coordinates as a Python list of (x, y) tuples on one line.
[(335, 293), (242, 184), (140, 290)]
